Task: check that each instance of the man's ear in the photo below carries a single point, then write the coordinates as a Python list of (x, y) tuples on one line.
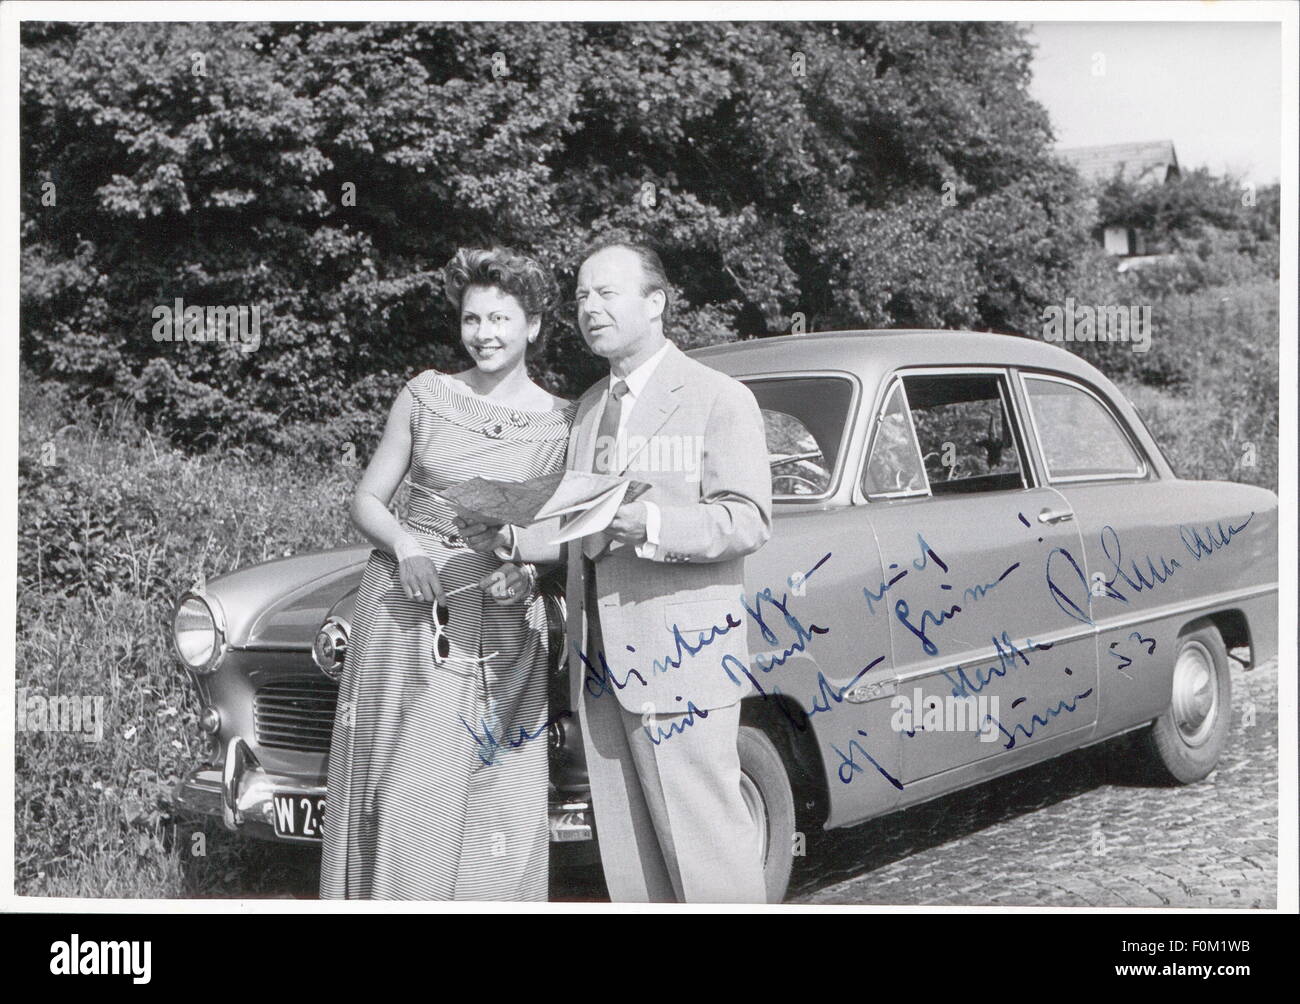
[(658, 301)]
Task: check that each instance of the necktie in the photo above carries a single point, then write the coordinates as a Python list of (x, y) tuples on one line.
[(605, 461)]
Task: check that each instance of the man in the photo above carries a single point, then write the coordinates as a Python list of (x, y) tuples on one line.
[(655, 601)]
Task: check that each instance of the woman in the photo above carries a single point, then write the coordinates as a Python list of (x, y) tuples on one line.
[(434, 790)]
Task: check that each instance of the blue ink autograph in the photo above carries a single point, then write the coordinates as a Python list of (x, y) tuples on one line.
[(1199, 547), (848, 760), (1037, 720), (489, 745), (599, 680), (802, 635), (1142, 574), (677, 726), (1126, 661), (917, 564), (964, 686), (929, 618)]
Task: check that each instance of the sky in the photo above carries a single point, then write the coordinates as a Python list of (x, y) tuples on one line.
[(1214, 89)]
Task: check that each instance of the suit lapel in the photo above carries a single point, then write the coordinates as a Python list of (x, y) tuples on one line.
[(655, 404), (583, 446)]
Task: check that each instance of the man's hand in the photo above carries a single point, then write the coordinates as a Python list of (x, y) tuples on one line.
[(629, 523), (482, 538), (508, 584)]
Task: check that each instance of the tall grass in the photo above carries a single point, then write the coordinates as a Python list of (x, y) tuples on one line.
[(1217, 417), (113, 523)]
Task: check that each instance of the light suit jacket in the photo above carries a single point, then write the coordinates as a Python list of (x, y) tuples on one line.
[(696, 437)]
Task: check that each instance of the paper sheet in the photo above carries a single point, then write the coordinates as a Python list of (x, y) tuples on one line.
[(596, 518)]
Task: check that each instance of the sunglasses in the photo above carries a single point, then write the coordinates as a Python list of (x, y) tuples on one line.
[(441, 640)]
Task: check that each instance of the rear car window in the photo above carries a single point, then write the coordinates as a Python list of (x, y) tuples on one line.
[(804, 419), (1079, 436)]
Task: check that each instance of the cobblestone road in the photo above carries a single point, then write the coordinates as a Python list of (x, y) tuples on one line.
[(1077, 831)]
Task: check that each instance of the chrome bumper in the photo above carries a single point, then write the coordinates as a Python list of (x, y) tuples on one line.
[(240, 791)]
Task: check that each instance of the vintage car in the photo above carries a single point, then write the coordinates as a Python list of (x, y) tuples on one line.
[(980, 560)]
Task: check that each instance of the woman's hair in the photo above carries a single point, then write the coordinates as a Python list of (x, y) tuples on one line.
[(528, 281)]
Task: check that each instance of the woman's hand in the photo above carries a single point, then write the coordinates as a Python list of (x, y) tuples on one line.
[(507, 585), (482, 538), (419, 576)]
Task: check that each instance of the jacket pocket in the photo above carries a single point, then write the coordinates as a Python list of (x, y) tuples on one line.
[(694, 617)]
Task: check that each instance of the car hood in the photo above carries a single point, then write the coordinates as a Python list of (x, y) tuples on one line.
[(281, 604)]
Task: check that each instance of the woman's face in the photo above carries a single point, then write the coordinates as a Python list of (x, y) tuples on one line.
[(494, 328)]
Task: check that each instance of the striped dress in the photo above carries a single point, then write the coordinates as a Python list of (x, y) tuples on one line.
[(436, 789)]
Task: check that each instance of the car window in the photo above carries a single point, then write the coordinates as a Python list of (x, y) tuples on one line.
[(894, 467), (804, 419), (964, 432), (1078, 435)]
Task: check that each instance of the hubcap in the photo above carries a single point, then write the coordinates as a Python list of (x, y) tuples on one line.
[(757, 811), (1196, 694)]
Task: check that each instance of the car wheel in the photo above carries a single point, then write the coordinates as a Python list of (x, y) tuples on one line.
[(1184, 744), (765, 786)]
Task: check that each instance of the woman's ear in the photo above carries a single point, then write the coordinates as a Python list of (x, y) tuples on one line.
[(534, 328)]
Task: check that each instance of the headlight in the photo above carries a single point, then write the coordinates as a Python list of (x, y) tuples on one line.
[(199, 633), (331, 647)]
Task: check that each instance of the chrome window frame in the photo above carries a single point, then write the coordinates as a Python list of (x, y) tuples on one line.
[(846, 435), (1003, 373), (1144, 464)]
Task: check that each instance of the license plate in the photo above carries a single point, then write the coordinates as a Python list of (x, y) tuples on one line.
[(298, 815)]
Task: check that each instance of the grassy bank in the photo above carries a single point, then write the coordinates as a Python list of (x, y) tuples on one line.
[(112, 524)]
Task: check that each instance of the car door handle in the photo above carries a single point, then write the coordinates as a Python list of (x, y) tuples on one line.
[(1055, 515)]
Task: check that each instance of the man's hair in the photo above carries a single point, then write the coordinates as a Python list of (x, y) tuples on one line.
[(524, 278), (651, 267)]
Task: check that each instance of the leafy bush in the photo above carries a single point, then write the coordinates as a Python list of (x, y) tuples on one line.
[(855, 174)]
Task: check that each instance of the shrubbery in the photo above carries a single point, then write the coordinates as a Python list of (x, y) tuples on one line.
[(854, 174)]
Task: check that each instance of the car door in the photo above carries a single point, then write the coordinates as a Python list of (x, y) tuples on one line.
[(1155, 554), (815, 661), (986, 663)]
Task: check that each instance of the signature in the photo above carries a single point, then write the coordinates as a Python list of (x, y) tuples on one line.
[(489, 745), (678, 724), (849, 760), (1199, 547), (1127, 576), (964, 686), (917, 564), (600, 678), (1037, 720)]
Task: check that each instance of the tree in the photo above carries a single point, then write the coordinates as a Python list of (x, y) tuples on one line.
[(859, 175)]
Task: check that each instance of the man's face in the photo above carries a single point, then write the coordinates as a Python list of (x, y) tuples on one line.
[(615, 317)]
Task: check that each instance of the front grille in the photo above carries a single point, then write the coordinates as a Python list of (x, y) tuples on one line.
[(296, 713)]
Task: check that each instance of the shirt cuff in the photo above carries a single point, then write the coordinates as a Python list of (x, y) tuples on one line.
[(651, 546)]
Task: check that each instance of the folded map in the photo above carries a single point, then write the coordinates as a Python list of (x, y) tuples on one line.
[(521, 503)]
